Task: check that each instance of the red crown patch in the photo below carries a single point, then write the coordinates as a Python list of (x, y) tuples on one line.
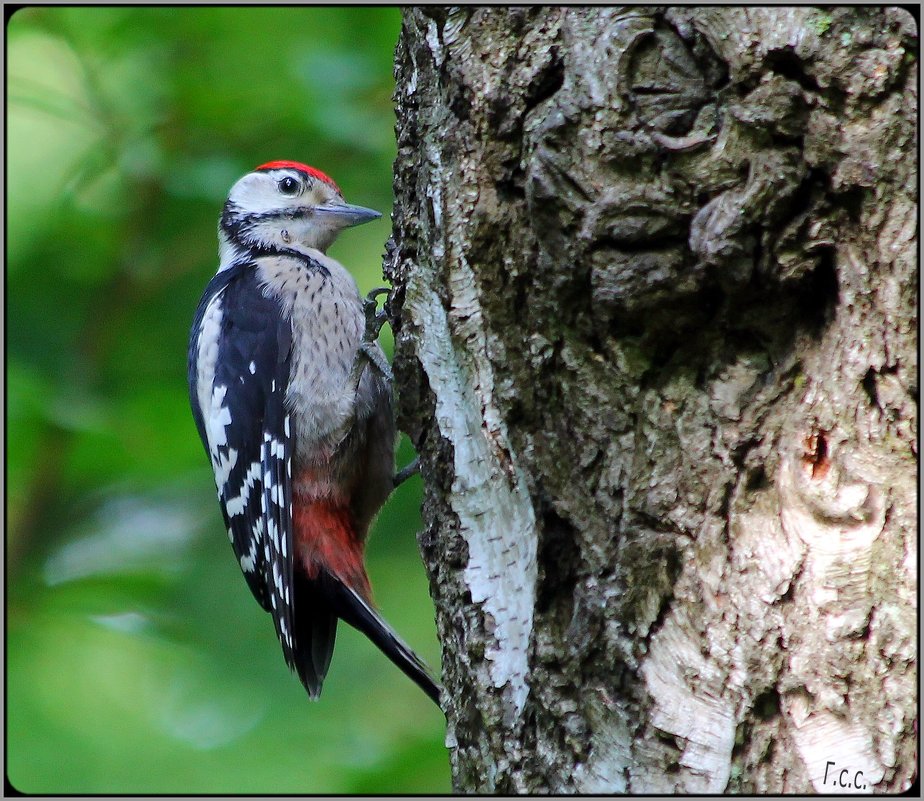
[(296, 165)]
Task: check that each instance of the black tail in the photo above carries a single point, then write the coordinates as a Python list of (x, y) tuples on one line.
[(349, 606), (315, 632)]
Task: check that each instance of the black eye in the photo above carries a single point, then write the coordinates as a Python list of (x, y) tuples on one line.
[(288, 185)]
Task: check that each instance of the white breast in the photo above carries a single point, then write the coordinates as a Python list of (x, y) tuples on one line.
[(325, 310)]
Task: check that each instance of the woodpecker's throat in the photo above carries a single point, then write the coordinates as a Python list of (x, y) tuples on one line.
[(246, 236)]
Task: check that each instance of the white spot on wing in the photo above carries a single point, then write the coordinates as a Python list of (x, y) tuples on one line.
[(222, 465), (207, 353), (253, 368), (237, 505), (249, 561), (215, 415), (217, 418)]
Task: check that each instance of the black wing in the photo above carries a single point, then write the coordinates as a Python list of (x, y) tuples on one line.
[(239, 358)]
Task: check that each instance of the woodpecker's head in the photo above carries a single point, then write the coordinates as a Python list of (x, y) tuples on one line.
[(284, 205)]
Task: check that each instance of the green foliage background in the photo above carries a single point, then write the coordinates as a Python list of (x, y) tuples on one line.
[(137, 661)]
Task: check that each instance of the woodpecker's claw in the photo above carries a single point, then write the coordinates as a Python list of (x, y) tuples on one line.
[(368, 351), (406, 472), (375, 319)]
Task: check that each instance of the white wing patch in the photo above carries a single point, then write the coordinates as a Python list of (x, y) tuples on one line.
[(217, 418), (215, 414), (237, 506), (249, 561)]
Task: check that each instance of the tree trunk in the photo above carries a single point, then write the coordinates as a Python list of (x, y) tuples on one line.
[(655, 303)]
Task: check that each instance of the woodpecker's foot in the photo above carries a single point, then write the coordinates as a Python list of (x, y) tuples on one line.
[(406, 472), (369, 352), (375, 319)]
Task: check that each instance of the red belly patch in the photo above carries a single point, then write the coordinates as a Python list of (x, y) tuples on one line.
[(325, 537)]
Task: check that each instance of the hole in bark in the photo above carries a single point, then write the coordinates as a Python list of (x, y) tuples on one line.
[(558, 556), (431, 214), (816, 454), (851, 200), (869, 386), (807, 194), (711, 300), (821, 290), (742, 449), (547, 82), (756, 479), (664, 350), (786, 598), (725, 505), (786, 63), (767, 704), (520, 297), (461, 105)]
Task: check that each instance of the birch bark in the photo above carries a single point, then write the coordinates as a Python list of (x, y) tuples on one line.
[(655, 303)]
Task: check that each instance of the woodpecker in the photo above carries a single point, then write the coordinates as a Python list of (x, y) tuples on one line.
[(291, 396)]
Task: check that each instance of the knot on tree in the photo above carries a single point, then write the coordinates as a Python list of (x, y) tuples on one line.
[(708, 193), (824, 499)]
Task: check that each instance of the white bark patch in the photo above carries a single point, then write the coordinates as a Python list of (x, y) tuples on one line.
[(838, 755), (604, 772), (492, 503), (704, 720), (433, 42), (838, 517), (838, 512), (764, 551)]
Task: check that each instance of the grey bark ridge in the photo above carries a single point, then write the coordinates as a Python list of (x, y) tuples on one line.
[(655, 311)]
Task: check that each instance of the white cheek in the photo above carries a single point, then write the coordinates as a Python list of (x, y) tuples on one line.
[(256, 194), (268, 231)]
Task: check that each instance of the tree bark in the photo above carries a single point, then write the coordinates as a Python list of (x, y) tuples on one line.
[(655, 306)]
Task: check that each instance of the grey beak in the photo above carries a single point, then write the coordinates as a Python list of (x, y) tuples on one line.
[(346, 216)]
